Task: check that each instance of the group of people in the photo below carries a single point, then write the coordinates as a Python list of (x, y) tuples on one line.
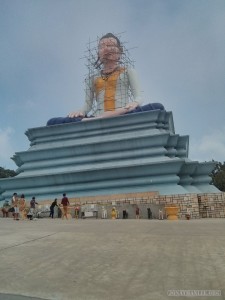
[(64, 205), (20, 210), (18, 207)]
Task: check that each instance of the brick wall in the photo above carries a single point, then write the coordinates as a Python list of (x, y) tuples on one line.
[(198, 205)]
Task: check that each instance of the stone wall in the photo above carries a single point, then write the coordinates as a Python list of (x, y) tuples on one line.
[(198, 205), (212, 205)]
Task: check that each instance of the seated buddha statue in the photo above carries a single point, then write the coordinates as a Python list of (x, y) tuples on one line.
[(112, 90)]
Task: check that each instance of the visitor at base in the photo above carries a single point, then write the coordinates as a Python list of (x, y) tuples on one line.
[(15, 204), (65, 203), (52, 208)]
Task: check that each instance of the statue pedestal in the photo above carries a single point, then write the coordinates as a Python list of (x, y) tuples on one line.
[(132, 153)]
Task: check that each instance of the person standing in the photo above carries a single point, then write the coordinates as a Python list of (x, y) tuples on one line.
[(137, 212), (22, 206), (52, 208), (32, 207), (15, 204), (65, 203)]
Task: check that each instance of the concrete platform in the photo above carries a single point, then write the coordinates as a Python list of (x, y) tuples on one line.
[(110, 259)]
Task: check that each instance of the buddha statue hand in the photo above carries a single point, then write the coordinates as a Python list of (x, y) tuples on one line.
[(76, 114), (131, 106)]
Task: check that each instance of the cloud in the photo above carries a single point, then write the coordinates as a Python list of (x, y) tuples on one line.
[(211, 146), (6, 148)]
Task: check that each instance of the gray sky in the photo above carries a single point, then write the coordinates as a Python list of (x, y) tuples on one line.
[(180, 60)]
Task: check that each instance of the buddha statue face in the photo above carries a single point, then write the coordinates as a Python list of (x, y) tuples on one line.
[(109, 50)]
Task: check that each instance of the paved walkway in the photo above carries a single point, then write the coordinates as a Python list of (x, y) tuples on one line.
[(110, 259)]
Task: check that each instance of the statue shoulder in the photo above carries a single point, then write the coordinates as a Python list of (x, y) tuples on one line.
[(131, 71), (91, 77)]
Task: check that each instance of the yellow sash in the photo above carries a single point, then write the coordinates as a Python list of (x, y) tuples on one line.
[(108, 84)]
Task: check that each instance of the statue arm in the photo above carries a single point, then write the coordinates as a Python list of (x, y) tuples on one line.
[(134, 86), (89, 96)]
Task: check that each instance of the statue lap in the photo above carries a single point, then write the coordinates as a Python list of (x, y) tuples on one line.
[(139, 109)]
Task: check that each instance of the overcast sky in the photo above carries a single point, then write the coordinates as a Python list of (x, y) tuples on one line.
[(179, 57)]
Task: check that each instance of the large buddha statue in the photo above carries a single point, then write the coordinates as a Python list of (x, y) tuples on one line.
[(113, 88)]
